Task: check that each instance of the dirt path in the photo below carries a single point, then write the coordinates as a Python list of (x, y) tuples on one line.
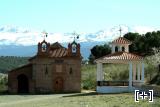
[(38, 98)]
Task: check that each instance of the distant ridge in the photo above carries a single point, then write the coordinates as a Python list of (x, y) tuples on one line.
[(20, 50)]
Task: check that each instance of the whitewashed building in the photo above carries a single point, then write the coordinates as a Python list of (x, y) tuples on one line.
[(120, 55)]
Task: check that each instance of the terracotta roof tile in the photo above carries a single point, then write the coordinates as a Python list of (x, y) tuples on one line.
[(122, 40), (58, 52), (61, 52), (120, 56)]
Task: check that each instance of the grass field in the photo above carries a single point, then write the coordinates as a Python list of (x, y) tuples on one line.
[(75, 100)]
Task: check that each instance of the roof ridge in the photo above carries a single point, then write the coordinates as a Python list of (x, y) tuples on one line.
[(56, 45), (122, 40)]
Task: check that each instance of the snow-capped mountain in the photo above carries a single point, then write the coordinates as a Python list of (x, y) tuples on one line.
[(14, 39)]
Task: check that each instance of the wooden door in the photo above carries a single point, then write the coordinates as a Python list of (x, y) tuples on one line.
[(58, 84)]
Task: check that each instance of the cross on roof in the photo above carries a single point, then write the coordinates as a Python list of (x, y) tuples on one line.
[(76, 35), (120, 31), (45, 34)]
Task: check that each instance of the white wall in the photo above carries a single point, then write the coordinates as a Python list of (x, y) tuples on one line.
[(114, 89), (126, 46)]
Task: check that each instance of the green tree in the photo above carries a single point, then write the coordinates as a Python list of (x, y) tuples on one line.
[(144, 44), (135, 38), (99, 51)]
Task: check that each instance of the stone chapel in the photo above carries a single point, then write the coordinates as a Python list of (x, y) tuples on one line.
[(54, 69)]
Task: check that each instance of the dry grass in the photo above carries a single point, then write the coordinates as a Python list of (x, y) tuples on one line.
[(75, 100)]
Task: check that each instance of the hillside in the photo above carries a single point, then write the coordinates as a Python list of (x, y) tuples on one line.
[(10, 62)]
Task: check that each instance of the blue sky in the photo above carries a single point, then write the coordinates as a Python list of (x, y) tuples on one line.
[(79, 15)]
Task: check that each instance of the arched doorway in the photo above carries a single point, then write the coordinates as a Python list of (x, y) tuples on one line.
[(23, 84), (58, 84)]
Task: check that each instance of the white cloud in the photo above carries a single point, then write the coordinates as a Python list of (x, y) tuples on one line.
[(20, 36), (143, 29)]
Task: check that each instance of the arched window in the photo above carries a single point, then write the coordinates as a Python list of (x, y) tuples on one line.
[(74, 48), (44, 47), (123, 49), (116, 49)]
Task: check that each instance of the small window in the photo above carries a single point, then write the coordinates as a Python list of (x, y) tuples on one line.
[(70, 71), (123, 49), (44, 47), (116, 49)]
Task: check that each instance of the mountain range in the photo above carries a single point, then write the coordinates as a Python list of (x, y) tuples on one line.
[(18, 41)]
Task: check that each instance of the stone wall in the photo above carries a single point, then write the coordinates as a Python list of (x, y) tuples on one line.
[(13, 81), (73, 77), (45, 72)]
